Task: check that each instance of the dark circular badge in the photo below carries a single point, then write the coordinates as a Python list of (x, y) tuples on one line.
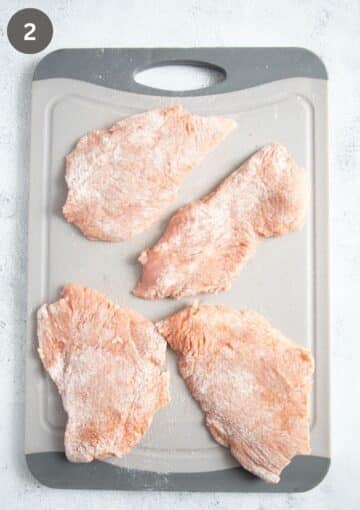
[(29, 30)]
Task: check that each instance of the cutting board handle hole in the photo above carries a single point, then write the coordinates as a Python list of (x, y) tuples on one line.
[(180, 76)]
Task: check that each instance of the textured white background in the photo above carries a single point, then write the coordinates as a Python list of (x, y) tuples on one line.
[(331, 28)]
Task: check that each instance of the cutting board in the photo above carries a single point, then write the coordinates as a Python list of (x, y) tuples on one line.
[(275, 94)]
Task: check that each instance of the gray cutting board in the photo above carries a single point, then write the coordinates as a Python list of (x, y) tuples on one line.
[(275, 94)]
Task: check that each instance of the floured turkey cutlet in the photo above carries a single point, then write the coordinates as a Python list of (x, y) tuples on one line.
[(106, 362), (122, 179), (208, 241), (251, 382)]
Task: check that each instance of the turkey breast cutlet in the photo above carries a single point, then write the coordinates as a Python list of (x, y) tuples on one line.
[(208, 241), (106, 362), (121, 179), (252, 383)]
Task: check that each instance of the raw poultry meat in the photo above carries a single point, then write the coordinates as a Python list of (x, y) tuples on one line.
[(106, 362), (251, 382), (121, 179), (208, 241)]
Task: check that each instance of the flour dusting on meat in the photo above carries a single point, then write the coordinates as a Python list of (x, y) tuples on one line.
[(107, 364), (251, 382), (208, 241), (121, 179)]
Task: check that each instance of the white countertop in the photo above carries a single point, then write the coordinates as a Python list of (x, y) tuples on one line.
[(331, 28)]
